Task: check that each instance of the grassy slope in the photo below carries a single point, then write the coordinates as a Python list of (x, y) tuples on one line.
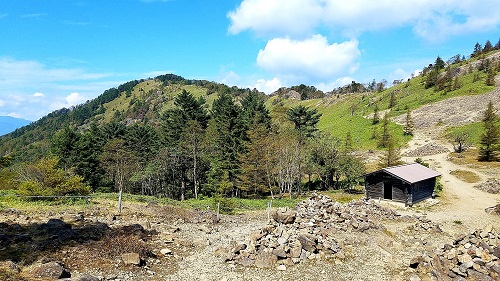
[(336, 110)]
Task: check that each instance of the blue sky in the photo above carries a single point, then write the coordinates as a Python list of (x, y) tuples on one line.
[(59, 53)]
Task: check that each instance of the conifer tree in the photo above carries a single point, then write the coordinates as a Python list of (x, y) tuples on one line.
[(376, 117), (384, 138), (490, 139), (392, 156), (409, 125)]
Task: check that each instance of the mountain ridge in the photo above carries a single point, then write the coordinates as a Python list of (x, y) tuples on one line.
[(9, 124)]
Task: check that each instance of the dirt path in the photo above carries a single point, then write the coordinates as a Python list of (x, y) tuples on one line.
[(460, 202), (461, 206)]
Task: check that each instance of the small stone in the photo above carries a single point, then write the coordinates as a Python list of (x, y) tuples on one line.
[(415, 278), (166, 251), (281, 267)]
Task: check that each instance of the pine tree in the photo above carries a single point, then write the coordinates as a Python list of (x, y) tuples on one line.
[(392, 99), (477, 50), (490, 78), (376, 117), (409, 125), (304, 119), (384, 138), (490, 139), (392, 156), (487, 46), (230, 135)]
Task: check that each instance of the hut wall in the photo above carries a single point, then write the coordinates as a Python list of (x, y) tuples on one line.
[(375, 187), (423, 190)]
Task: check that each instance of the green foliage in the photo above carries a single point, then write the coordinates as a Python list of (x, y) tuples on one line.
[(422, 162), (305, 119), (438, 188), (472, 131), (43, 178), (490, 140)]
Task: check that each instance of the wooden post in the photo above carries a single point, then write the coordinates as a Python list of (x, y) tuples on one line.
[(218, 212), (120, 201), (269, 208)]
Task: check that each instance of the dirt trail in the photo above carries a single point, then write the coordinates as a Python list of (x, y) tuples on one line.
[(461, 205)]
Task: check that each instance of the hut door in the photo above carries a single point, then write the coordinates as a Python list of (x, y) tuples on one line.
[(388, 190)]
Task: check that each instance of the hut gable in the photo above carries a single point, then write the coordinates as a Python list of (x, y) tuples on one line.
[(409, 184)]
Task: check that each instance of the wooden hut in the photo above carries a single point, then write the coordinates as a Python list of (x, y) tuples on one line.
[(409, 184)]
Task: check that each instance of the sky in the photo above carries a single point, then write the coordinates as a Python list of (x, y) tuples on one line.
[(60, 53)]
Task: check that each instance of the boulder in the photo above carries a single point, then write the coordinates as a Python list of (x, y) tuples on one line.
[(308, 242), (131, 258), (50, 270), (284, 216)]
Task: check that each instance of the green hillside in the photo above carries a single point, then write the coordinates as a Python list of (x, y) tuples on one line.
[(179, 138)]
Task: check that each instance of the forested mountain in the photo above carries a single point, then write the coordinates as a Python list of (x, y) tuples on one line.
[(179, 138)]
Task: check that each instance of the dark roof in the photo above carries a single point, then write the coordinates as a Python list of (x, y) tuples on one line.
[(410, 173)]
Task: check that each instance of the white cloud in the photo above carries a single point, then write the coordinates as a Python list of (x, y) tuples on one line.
[(430, 19), (277, 16), (33, 89), (15, 72), (14, 114), (229, 78), (2, 103), (33, 15), (309, 60), (326, 87), (74, 99), (68, 101), (267, 86)]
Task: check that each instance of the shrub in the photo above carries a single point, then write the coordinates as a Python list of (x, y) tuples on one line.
[(43, 178)]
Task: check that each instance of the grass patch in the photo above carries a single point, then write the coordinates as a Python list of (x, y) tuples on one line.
[(466, 176), (474, 131), (344, 197), (469, 158)]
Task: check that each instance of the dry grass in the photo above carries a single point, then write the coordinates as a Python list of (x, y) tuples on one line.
[(466, 176), (469, 157)]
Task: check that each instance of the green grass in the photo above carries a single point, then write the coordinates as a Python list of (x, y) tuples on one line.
[(474, 130), (338, 120)]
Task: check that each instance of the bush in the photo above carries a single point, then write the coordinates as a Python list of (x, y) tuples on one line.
[(43, 178)]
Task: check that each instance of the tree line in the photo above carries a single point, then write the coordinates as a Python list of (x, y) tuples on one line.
[(233, 150)]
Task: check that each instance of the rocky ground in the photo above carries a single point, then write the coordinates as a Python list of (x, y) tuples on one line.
[(455, 237), (319, 239)]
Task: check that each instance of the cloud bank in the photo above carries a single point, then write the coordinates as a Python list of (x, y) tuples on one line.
[(297, 49)]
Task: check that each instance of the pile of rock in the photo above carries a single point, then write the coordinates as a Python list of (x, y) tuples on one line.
[(306, 232), (472, 257), (490, 186), (427, 149), (426, 225)]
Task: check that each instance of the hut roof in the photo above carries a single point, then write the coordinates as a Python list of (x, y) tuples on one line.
[(410, 173)]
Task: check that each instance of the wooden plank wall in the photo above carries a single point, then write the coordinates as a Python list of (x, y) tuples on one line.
[(375, 187), (423, 190)]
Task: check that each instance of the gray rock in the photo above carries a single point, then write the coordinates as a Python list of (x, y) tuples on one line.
[(131, 258), (265, 260), (308, 242), (284, 216), (50, 270)]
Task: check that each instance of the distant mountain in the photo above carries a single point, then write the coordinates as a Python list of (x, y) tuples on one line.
[(9, 124)]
